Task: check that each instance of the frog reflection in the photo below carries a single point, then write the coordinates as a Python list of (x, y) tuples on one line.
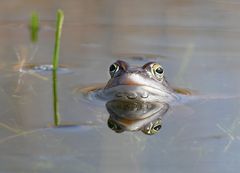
[(136, 115), (137, 96)]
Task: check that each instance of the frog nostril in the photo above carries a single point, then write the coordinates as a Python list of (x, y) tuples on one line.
[(129, 95), (132, 95), (145, 94)]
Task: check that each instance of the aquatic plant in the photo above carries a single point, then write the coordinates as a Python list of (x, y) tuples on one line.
[(34, 27), (55, 62)]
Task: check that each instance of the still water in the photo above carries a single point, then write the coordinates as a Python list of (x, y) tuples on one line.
[(197, 43)]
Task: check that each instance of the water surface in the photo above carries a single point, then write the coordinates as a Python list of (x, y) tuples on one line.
[(197, 42)]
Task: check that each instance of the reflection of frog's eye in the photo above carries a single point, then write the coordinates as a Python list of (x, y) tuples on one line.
[(153, 127), (113, 69), (157, 70), (114, 126), (157, 127)]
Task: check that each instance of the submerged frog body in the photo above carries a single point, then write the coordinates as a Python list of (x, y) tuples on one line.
[(145, 83)]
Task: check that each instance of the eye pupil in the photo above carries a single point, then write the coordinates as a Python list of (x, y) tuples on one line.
[(159, 70), (157, 128), (114, 126), (112, 68), (110, 124)]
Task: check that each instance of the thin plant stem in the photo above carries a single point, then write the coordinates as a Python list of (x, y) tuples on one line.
[(60, 18), (34, 27)]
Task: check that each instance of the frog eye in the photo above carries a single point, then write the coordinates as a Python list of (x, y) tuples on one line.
[(153, 127), (113, 69), (114, 126), (157, 71)]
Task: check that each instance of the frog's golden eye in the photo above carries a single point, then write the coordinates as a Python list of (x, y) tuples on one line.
[(157, 71), (113, 69), (153, 127)]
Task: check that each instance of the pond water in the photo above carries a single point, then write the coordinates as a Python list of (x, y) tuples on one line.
[(197, 43)]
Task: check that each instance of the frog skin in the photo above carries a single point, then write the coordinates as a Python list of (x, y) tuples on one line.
[(145, 83)]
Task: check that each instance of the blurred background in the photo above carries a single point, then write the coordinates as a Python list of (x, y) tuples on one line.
[(197, 43)]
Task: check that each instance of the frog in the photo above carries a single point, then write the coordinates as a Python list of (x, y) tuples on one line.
[(146, 83), (136, 97)]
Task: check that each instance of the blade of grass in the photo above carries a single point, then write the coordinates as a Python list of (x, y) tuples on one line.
[(55, 60), (34, 27)]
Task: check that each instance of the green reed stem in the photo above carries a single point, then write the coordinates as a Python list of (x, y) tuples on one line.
[(55, 60), (60, 18), (56, 114), (34, 27)]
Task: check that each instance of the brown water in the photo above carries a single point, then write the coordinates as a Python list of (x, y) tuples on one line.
[(198, 45)]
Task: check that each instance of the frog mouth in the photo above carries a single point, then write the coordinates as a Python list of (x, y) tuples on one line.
[(134, 92), (132, 95)]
